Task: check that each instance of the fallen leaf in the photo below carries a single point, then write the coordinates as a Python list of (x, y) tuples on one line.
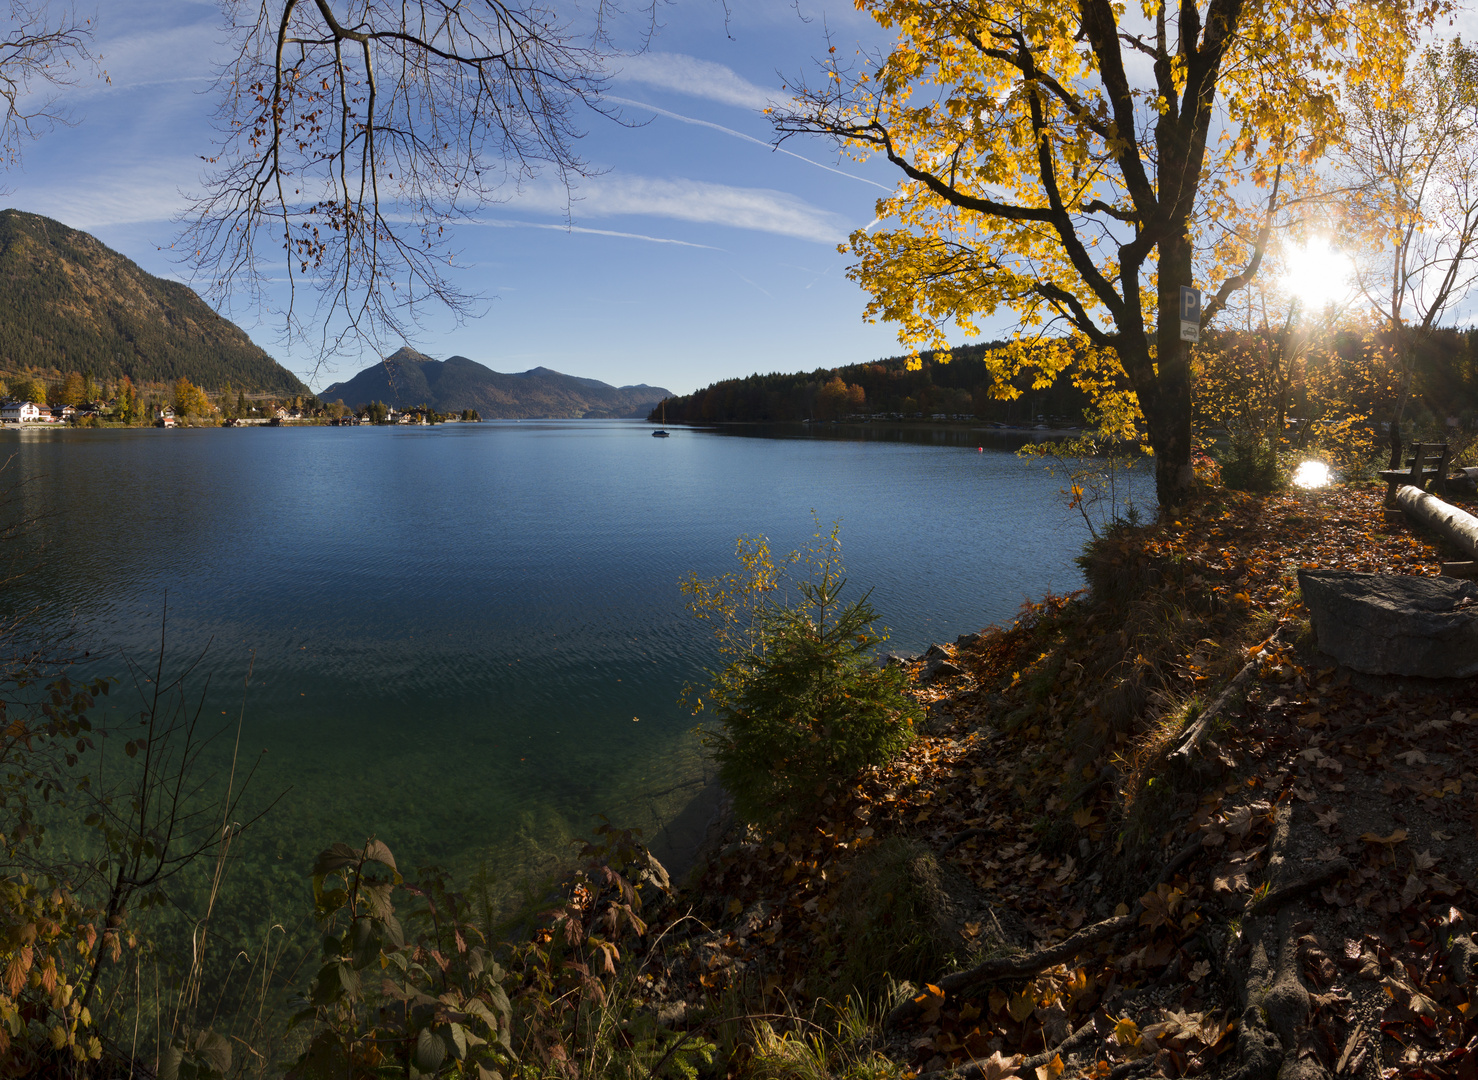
[(997, 1067), (1395, 838), (1022, 1005), (1126, 1032)]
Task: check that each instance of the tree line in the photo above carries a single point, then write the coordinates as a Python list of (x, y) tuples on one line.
[(1246, 380), (959, 382)]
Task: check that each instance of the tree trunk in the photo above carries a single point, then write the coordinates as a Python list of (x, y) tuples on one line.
[(1166, 403)]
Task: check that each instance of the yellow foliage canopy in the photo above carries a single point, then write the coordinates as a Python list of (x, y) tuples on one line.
[(1076, 165)]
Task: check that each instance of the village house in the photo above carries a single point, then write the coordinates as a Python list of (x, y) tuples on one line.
[(19, 412), (164, 417)]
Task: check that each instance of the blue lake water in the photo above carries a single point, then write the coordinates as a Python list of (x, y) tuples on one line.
[(469, 639)]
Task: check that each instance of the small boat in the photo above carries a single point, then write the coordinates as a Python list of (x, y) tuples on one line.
[(662, 432)]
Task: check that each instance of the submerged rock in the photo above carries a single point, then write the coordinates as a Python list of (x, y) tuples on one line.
[(1395, 624)]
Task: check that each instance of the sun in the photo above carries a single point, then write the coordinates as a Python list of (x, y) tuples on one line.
[(1318, 275)]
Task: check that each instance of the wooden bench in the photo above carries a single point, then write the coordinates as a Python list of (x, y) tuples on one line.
[(1428, 462)]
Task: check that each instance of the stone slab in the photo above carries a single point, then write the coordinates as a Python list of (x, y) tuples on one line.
[(1395, 624)]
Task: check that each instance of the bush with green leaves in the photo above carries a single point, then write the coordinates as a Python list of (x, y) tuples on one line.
[(1250, 463), (801, 705)]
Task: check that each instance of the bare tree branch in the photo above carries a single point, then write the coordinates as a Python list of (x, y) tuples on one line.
[(355, 132), (42, 49)]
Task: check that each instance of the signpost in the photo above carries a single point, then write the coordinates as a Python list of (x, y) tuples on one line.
[(1190, 314)]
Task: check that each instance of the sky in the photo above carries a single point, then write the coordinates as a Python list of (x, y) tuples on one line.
[(698, 253)]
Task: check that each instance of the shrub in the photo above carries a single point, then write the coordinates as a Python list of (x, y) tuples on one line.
[(1250, 464), (801, 706)]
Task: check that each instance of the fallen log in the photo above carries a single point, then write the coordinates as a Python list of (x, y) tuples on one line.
[(1456, 526), (1014, 967)]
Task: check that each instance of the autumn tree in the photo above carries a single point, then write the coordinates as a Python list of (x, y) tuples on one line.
[(126, 405), (189, 399), (1075, 165), (1411, 160), (74, 392), (354, 132), (836, 398)]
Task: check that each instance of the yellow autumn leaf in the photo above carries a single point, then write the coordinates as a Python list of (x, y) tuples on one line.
[(1022, 1005)]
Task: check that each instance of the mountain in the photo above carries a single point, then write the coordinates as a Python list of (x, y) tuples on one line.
[(68, 301), (409, 378)]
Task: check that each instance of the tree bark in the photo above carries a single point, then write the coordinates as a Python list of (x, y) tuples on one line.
[(1167, 402)]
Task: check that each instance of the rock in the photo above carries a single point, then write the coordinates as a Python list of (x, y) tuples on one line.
[(946, 669), (964, 641), (935, 652), (892, 660), (1395, 624)]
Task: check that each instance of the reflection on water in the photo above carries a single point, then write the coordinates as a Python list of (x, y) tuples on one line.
[(453, 627)]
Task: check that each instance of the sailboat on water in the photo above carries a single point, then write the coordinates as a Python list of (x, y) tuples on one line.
[(662, 432)]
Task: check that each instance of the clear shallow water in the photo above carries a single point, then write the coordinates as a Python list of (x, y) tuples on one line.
[(454, 627)]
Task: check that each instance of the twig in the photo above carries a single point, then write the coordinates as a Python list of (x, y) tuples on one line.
[(1182, 857), (1011, 967), (1067, 1046), (959, 838), (1191, 739), (1276, 898)]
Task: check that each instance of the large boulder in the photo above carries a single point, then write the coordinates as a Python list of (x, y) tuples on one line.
[(1395, 624)]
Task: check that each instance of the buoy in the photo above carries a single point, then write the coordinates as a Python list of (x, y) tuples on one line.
[(980, 449)]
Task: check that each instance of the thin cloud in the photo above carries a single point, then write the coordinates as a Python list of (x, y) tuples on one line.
[(741, 135), (495, 223), (697, 78), (131, 196), (756, 209)]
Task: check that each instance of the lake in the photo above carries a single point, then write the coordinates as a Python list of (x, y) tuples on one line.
[(468, 639)]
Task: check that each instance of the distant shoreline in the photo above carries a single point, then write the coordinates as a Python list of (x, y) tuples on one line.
[(985, 427)]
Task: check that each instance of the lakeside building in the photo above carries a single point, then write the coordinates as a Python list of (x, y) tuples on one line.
[(20, 412)]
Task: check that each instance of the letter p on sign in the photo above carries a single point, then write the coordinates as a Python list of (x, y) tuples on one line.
[(1190, 313)]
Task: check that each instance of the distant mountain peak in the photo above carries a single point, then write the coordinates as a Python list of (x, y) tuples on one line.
[(408, 377), (405, 352)]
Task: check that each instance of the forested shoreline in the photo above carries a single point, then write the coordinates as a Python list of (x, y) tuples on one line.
[(1349, 371)]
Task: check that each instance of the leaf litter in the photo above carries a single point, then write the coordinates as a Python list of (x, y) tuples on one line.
[(1340, 807)]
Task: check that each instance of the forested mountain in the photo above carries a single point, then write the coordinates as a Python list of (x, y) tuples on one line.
[(1444, 384), (409, 378), (884, 386), (70, 303)]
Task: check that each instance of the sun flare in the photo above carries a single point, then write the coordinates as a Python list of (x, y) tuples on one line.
[(1312, 474), (1317, 274)]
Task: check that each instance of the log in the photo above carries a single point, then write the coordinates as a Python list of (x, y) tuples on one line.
[(1456, 526), (1190, 740), (1460, 569)]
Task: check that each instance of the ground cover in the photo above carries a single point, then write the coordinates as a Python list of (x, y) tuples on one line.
[(1295, 896)]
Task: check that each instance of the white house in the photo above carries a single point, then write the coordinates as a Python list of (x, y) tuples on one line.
[(164, 417), (19, 412)]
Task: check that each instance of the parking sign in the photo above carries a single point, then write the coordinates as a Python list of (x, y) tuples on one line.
[(1190, 313)]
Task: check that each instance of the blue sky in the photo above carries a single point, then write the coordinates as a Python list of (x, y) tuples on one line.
[(699, 253)]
